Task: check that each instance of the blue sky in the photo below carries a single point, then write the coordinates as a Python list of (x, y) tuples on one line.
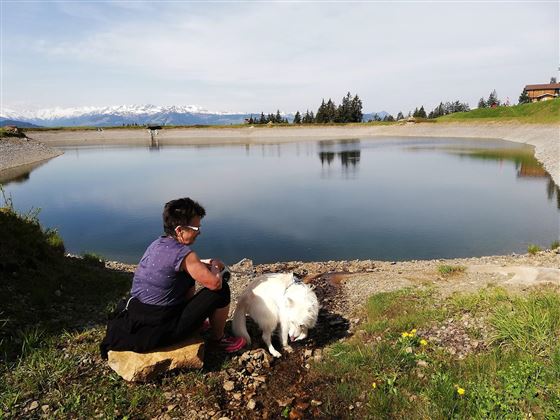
[(260, 56)]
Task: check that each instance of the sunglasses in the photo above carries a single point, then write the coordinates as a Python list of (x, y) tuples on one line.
[(195, 228)]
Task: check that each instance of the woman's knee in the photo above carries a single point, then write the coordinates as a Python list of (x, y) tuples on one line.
[(225, 295)]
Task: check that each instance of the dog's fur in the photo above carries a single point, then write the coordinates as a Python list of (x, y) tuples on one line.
[(277, 300)]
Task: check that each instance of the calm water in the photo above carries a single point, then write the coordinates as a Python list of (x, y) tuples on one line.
[(388, 199)]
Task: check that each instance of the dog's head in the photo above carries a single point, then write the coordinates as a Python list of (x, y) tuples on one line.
[(302, 309)]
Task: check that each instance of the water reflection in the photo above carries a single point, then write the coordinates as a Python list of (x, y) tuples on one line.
[(348, 152), (527, 166), (278, 202)]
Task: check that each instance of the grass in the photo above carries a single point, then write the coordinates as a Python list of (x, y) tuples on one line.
[(555, 245), (447, 270), (545, 112), (392, 369), (10, 133), (53, 311), (533, 249)]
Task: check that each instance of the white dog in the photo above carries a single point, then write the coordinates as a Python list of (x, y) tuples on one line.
[(277, 299)]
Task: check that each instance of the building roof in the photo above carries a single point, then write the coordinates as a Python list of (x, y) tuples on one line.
[(543, 87)]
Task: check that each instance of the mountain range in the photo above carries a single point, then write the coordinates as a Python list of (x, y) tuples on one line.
[(129, 115)]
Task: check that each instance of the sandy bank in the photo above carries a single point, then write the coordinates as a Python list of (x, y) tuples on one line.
[(545, 137)]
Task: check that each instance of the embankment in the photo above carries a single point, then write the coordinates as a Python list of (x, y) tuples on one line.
[(544, 137)]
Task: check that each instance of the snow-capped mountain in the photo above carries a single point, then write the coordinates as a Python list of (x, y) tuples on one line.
[(111, 116), (124, 114)]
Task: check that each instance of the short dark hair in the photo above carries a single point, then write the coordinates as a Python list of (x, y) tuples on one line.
[(180, 212)]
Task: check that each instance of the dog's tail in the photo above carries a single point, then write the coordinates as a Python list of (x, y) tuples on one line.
[(239, 323)]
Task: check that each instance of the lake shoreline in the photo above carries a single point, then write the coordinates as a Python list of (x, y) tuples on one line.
[(544, 137)]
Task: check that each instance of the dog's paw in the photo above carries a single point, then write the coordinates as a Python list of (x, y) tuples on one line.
[(275, 353), (288, 349)]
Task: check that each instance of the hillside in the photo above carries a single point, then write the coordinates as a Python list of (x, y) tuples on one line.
[(539, 112)]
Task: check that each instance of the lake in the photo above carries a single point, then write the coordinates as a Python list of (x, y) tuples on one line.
[(382, 198)]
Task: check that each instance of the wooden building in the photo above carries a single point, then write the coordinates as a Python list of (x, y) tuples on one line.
[(543, 92)]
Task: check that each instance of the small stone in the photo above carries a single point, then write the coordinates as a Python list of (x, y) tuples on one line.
[(34, 405), (57, 293), (316, 403), (171, 407), (307, 353), (251, 404), (236, 396), (229, 385), (421, 363), (45, 408)]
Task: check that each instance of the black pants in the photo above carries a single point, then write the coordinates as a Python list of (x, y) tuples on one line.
[(140, 327)]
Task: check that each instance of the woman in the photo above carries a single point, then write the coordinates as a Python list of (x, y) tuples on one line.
[(163, 308)]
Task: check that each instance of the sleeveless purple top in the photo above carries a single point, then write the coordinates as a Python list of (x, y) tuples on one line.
[(158, 279)]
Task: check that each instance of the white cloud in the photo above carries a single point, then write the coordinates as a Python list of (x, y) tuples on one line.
[(260, 56)]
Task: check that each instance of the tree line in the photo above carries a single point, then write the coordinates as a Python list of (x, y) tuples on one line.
[(349, 110)]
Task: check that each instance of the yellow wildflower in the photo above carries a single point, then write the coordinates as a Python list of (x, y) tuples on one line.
[(460, 391), (423, 342), (373, 385), (413, 331), (405, 334)]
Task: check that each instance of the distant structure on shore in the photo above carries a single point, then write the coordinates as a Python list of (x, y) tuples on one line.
[(544, 92)]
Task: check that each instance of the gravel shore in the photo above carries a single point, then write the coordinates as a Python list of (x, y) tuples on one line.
[(19, 156), (544, 137)]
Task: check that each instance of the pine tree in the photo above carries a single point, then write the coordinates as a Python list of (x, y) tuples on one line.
[(278, 118), (415, 113), (262, 119), (524, 97), (493, 99), (482, 103), (422, 112), (330, 111), (400, 116), (356, 114), (321, 116), (251, 121), (297, 118)]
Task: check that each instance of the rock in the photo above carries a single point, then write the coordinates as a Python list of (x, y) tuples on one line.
[(244, 266), (229, 385), (140, 367), (34, 405), (251, 404)]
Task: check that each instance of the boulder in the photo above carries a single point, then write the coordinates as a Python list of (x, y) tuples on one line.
[(140, 367)]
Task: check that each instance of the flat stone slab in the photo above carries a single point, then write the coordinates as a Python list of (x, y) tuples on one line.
[(141, 367)]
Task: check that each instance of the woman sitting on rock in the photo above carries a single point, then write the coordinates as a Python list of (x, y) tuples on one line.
[(163, 308)]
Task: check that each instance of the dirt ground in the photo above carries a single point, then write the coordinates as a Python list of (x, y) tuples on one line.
[(255, 385)]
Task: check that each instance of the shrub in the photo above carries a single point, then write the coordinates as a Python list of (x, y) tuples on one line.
[(533, 249), (451, 269)]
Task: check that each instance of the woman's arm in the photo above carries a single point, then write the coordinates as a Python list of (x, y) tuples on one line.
[(208, 277)]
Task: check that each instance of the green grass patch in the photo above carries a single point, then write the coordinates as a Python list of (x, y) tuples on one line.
[(545, 112), (447, 270), (402, 371), (555, 245), (533, 249)]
